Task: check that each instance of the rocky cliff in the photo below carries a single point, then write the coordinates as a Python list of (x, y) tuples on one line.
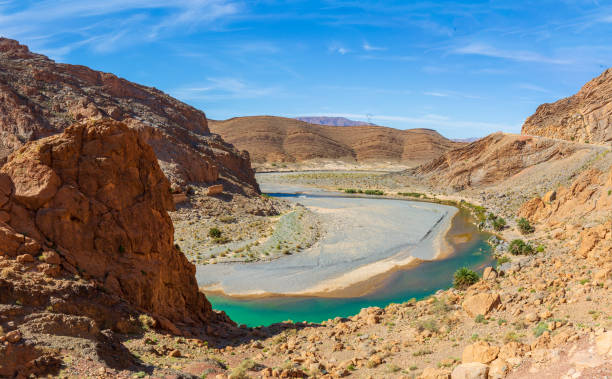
[(86, 241), (39, 97), (277, 139), (491, 160), (583, 117)]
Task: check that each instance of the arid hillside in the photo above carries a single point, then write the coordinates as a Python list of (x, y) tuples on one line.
[(583, 117), (277, 139), (39, 98)]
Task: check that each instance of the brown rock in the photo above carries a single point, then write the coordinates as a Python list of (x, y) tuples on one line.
[(25, 258), (480, 304), (107, 217), (480, 351), (175, 353), (435, 373), (603, 344), (39, 97), (498, 369), (13, 336), (214, 190), (472, 370), (583, 117)]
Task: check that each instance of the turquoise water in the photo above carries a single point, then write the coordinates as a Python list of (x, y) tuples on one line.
[(418, 282)]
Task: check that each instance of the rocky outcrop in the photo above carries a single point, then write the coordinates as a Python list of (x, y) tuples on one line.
[(86, 240), (588, 197), (39, 97), (583, 117), (278, 139), (491, 160)]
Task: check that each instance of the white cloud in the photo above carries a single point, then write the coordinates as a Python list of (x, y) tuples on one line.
[(103, 25), (367, 47), (223, 89), (517, 55), (532, 87)]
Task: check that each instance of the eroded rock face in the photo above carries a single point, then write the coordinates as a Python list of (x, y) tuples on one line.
[(39, 97), (583, 117), (588, 196), (491, 160), (95, 194)]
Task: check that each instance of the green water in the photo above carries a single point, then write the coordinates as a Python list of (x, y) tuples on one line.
[(417, 282)]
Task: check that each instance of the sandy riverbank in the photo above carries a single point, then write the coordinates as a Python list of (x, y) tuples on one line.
[(363, 238)]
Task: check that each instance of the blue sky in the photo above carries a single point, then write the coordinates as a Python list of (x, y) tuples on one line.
[(464, 68)]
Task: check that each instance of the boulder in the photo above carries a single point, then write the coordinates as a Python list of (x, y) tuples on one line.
[(489, 273), (473, 370), (498, 369), (480, 351), (603, 344), (435, 373), (480, 304), (214, 190)]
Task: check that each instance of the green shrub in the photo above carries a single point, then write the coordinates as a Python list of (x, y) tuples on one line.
[(499, 224), (540, 329), (374, 192), (464, 277), (350, 190), (520, 247), (214, 232), (540, 248), (524, 226)]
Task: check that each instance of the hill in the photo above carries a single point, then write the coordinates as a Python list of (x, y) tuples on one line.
[(278, 139), (39, 98), (583, 117)]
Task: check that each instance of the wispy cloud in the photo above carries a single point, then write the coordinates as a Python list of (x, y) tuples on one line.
[(224, 89), (532, 87), (367, 47), (451, 94), (103, 25), (338, 48), (515, 55)]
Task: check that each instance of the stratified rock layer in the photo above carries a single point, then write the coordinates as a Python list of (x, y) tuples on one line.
[(39, 97), (278, 139), (491, 160), (583, 117), (95, 194)]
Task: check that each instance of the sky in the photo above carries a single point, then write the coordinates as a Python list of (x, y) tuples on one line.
[(463, 68)]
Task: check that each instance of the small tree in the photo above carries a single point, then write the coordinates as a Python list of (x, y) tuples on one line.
[(524, 226), (519, 247), (464, 277)]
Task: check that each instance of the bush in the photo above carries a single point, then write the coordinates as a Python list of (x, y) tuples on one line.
[(374, 192), (350, 190), (524, 226), (520, 247), (502, 260), (499, 224), (464, 277), (214, 232)]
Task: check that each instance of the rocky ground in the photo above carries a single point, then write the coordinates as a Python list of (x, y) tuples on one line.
[(249, 229)]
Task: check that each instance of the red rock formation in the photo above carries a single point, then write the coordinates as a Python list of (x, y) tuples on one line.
[(39, 97), (583, 117), (96, 195)]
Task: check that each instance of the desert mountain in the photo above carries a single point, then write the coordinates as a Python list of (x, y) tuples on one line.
[(277, 139), (583, 117), (86, 244), (333, 121), (39, 98)]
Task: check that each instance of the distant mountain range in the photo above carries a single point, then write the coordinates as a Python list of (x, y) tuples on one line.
[(333, 121)]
